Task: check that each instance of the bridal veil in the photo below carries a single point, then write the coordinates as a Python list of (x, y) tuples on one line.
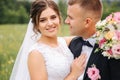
[(20, 70)]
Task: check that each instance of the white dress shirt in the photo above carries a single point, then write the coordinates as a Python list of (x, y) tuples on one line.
[(87, 50)]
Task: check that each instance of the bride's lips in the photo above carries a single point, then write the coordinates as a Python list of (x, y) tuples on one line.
[(51, 29)]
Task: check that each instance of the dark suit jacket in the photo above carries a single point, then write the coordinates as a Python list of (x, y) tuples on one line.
[(102, 63), (114, 66)]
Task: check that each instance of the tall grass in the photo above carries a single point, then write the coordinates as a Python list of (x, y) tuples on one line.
[(11, 37)]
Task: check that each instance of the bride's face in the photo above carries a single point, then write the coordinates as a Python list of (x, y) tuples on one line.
[(49, 23)]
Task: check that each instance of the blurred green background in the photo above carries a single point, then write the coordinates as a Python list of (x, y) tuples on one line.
[(14, 16)]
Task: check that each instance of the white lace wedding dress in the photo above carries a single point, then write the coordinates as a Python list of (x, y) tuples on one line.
[(58, 60)]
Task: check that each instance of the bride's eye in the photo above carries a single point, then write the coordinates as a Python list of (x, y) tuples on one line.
[(53, 17), (42, 20)]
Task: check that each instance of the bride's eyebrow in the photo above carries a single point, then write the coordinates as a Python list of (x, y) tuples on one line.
[(42, 18), (54, 15)]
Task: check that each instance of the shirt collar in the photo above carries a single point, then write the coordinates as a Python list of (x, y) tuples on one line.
[(91, 40)]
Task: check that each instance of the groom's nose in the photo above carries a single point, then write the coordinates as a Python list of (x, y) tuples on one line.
[(67, 21)]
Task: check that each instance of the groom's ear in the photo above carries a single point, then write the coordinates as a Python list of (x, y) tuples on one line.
[(88, 22)]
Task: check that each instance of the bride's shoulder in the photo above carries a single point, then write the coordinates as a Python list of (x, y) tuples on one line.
[(68, 39), (36, 47)]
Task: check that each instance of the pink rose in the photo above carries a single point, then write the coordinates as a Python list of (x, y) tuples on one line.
[(117, 35), (93, 73), (115, 18), (101, 42), (116, 49), (109, 51)]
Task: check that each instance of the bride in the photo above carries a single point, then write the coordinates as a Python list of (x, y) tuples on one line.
[(43, 55)]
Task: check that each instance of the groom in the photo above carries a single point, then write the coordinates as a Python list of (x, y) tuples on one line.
[(82, 16)]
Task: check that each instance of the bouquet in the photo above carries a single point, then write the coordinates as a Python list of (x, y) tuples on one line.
[(108, 36)]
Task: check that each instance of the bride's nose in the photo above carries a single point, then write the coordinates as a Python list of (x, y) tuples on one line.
[(49, 23)]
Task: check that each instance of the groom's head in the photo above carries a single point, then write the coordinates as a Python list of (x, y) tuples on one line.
[(82, 16)]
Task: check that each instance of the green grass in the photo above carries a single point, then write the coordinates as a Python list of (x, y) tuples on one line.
[(11, 37), (64, 30)]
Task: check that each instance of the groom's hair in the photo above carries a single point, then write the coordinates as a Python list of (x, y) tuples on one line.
[(89, 6), (38, 6)]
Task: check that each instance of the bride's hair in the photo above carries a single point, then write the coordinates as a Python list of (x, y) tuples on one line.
[(38, 7)]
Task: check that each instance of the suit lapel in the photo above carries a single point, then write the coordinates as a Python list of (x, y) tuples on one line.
[(76, 46), (91, 60)]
